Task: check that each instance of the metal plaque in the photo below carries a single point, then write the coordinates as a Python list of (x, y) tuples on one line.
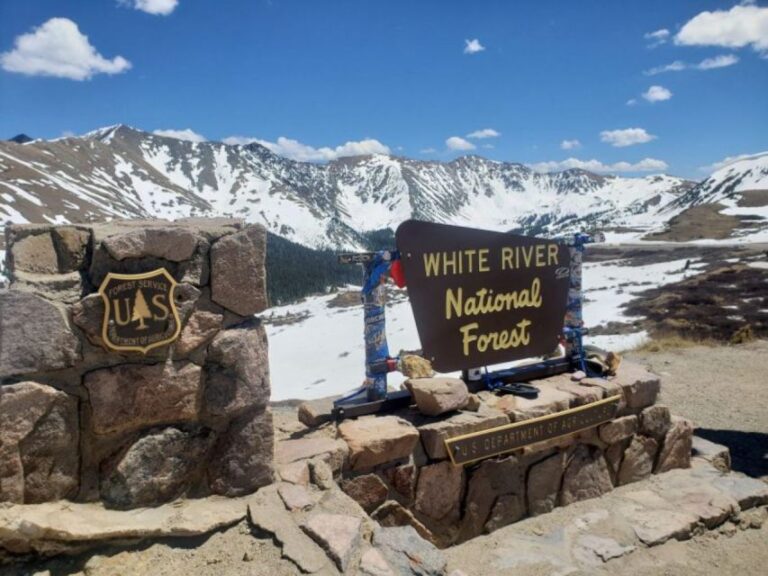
[(139, 311), (495, 441), (480, 297)]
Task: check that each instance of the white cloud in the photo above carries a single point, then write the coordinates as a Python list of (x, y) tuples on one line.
[(657, 94), (185, 134), (488, 146), (631, 102), (296, 150), (59, 49), (742, 25), (570, 144), (644, 165), (720, 61), (484, 133), (626, 137), (458, 143), (675, 66), (657, 38), (473, 46), (156, 7)]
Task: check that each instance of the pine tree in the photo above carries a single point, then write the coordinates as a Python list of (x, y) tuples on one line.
[(140, 310)]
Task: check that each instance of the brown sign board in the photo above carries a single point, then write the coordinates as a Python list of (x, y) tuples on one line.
[(481, 297), (495, 441), (139, 311)]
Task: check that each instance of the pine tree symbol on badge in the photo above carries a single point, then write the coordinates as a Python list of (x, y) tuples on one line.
[(140, 310)]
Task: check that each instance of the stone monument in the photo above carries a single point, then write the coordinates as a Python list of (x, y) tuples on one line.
[(132, 369)]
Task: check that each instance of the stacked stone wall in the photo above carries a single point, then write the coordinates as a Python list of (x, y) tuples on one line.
[(83, 422), (397, 466)]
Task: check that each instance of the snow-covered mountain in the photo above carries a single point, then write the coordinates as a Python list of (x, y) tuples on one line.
[(123, 172)]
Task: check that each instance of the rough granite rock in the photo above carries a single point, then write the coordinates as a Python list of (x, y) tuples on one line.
[(158, 394), (618, 429), (238, 276), (614, 455), (71, 245), (334, 452), (639, 386), (567, 383), (37, 340), (39, 438), (676, 448), (655, 421), (435, 396), (66, 288), (62, 526), (393, 513), (434, 434), (242, 459), (295, 473), (339, 535), (201, 327), (315, 412), (586, 476), (638, 460), (367, 490), (403, 480), (716, 454), (171, 243), (543, 483), (375, 440), (296, 497), (372, 563), (508, 508), (267, 513), (439, 491), (36, 254), (157, 468), (409, 553), (240, 379), (492, 479)]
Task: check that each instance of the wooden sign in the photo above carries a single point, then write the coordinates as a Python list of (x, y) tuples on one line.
[(480, 297), (139, 311), (495, 441)]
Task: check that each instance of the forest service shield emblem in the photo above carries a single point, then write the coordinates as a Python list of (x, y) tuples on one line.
[(139, 311)]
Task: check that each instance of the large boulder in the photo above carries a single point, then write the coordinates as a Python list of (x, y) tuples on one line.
[(157, 468), (39, 443), (638, 460), (440, 490), (169, 243), (238, 275), (678, 444), (243, 456), (375, 440), (655, 421), (435, 396), (492, 480), (134, 396), (34, 253), (587, 476), (239, 379), (34, 335)]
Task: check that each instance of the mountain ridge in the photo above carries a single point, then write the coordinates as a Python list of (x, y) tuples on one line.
[(122, 172)]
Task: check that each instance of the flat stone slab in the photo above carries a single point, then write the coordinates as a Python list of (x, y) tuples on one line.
[(54, 527), (333, 451), (578, 538), (375, 440)]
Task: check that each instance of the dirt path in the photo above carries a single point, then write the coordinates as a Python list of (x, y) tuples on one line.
[(724, 390)]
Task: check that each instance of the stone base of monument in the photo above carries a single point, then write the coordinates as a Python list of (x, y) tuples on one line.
[(399, 469), (143, 394)]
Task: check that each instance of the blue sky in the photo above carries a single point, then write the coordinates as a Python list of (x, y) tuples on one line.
[(560, 83)]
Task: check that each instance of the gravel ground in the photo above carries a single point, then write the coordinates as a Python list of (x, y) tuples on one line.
[(724, 390)]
